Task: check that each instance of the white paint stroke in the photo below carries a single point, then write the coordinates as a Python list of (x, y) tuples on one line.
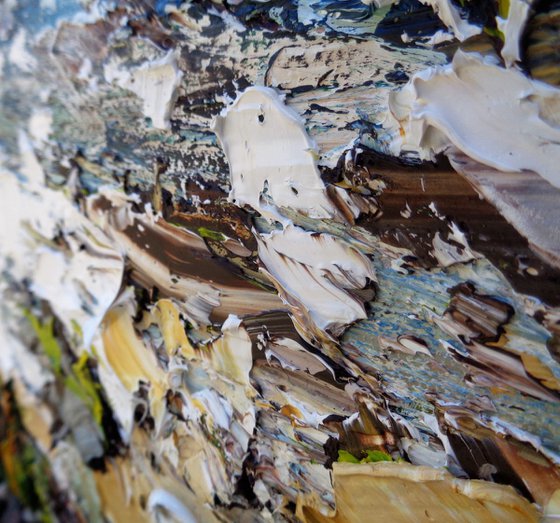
[(497, 116), (155, 82), (272, 160), (450, 15), (316, 274), (512, 28), (79, 276)]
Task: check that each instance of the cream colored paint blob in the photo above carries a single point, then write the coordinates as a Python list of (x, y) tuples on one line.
[(317, 273), (271, 158), (504, 119)]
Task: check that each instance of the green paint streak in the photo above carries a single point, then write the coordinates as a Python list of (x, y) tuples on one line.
[(45, 334), (372, 456), (345, 457), (211, 235), (82, 384), (503, 8), (79, 379), (496, 33)]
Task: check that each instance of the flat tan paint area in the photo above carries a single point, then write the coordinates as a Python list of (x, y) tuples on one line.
[(399, 492)]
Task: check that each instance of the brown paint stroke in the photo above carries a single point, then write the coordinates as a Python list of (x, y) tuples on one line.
[(487, 231)]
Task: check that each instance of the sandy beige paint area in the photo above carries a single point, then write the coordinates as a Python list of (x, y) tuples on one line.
[(399, 492)]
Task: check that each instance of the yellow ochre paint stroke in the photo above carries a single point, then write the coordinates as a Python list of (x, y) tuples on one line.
[(400, 492)]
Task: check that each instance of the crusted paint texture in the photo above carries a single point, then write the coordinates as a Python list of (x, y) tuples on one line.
[(279, 261)]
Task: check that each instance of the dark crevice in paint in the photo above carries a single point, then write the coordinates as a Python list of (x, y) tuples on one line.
[(410, 17)]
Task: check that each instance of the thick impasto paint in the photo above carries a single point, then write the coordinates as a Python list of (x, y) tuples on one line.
[(285, 260)]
